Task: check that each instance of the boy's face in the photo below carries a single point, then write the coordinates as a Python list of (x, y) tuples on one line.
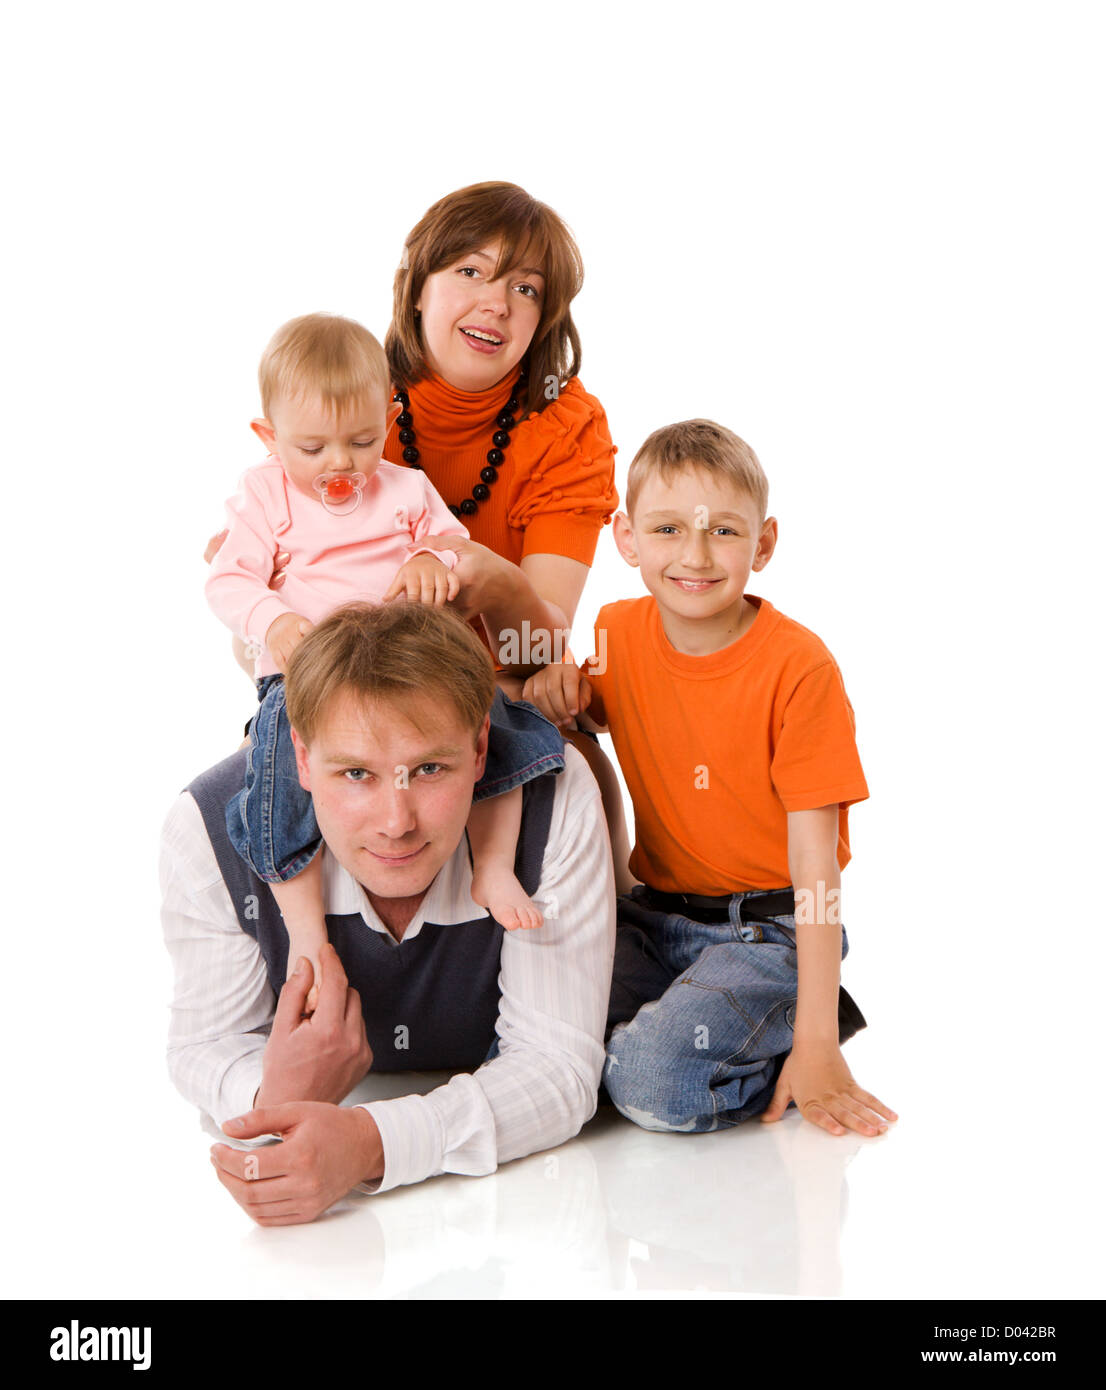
[(696, 539), (310, 441)]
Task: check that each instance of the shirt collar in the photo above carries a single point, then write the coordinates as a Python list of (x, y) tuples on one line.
[(446, 903)]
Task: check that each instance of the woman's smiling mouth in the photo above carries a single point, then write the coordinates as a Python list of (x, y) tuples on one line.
[(481, 340)]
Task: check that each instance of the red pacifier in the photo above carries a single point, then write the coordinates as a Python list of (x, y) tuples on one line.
[(340, 492)]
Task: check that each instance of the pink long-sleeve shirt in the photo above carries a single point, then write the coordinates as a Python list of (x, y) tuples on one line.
[(333, 559)]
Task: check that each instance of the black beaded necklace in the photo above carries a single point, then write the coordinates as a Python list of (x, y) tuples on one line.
[(505, 423)]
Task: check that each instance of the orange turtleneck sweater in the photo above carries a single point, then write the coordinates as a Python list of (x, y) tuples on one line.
[(555, 489)]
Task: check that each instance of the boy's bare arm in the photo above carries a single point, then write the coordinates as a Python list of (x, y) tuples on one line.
[(816, 1075)]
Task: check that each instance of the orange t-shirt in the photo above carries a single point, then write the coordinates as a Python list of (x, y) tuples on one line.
[(717, 749), (555, 489)]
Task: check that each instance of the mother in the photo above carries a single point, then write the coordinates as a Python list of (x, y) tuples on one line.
[(484, 357)]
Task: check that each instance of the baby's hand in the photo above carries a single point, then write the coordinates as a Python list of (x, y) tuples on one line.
[(560, 691), (284, 636), (424, 579), (818, 1080)]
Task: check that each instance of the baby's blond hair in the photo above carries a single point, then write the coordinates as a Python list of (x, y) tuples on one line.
[(325, 356), (698, 444)]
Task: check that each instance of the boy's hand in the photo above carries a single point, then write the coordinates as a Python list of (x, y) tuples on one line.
[(560, 691), (424, 579), (818, 1080), (284, 636)]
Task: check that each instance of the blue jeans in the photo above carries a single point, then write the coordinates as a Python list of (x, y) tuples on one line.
[(271, 821), (703, 1014)]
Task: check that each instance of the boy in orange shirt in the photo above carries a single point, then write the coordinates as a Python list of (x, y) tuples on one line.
[(736, 737)]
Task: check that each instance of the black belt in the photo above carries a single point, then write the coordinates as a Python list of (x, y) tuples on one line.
[(779, 902)]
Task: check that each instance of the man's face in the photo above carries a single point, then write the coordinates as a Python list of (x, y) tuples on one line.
[(392, 788)]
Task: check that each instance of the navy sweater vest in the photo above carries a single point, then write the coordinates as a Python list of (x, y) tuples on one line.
[(430, 1002)]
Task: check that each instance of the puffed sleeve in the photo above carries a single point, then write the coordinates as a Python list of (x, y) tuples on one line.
[(564, 494)]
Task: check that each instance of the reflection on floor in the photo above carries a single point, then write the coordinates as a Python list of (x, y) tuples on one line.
[(758, 1209)]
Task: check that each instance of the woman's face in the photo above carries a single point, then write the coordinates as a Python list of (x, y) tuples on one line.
[(475, 330)]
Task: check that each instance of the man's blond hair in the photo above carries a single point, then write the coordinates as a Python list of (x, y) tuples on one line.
[(324, 356), (397, 653), (698, 444)]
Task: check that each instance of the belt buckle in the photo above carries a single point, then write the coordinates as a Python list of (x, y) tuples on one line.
[(748, 931)]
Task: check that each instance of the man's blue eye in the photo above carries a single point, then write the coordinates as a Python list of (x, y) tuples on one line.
[(429, 769), (355, 774)]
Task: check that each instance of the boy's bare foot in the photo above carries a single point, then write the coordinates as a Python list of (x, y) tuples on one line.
[(497, 889)]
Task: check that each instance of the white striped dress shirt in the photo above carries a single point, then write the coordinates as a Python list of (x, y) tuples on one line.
[(554, 984)]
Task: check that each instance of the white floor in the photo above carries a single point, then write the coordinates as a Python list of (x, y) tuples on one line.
[(960, 1200)]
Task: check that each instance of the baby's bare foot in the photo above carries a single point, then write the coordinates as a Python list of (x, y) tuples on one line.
[(498, 890)]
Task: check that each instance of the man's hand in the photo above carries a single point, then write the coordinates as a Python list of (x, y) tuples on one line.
[(324, 1152), (284, 636), (320, 1058), (424, 579), (818, 1080), (560, 691)]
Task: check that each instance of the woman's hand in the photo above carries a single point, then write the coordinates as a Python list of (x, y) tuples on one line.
[(215, 544)]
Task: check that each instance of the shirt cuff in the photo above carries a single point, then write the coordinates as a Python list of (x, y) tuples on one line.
[(411, 1138), (448, 558), (262, 616), (236, 1099)]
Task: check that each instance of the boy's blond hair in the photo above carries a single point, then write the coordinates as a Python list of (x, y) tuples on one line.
[(394, 652), (322, 355), (698, 444)]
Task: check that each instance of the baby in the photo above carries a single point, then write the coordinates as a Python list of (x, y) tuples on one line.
[(351, 524)]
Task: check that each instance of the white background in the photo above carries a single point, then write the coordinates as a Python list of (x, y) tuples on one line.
[(869, 238)]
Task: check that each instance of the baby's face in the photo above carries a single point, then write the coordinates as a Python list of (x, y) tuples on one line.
[(311, 442)]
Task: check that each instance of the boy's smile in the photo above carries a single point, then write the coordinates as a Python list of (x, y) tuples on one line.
[(697, 538)]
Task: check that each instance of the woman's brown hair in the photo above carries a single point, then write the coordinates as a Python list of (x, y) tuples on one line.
[(464, 221)]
